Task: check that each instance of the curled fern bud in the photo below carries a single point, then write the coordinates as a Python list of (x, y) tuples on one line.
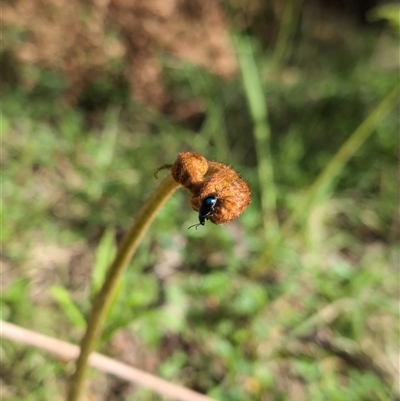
[(218, 193), (189, 170)]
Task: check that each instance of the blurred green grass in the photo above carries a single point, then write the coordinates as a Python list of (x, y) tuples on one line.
[(318, 321)]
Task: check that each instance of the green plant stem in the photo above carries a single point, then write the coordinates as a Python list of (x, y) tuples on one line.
[(327, 177), (104, 297), (258, 108)]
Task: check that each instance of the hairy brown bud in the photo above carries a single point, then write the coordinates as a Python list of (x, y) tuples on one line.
[(218, 193)]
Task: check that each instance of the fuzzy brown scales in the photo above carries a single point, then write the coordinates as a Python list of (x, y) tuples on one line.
[(189, 170), (204, 179)]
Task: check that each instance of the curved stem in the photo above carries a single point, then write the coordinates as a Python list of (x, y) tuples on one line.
[(104, 297)]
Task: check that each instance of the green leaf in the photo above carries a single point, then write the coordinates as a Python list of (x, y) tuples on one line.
[(62, 297), (104, 255)]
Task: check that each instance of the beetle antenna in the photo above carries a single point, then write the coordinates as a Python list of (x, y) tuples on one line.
[(195, 225)]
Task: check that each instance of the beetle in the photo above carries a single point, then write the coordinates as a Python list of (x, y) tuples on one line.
[(207, 206)]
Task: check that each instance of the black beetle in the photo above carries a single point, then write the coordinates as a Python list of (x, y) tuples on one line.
[(206, 208)]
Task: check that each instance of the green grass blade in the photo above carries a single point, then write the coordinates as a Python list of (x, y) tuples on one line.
[(289, 21), (67, 305), (257, 104), (328, 177), (104, 255)]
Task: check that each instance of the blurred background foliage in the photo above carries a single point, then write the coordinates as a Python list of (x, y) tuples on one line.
[(97, 94)]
